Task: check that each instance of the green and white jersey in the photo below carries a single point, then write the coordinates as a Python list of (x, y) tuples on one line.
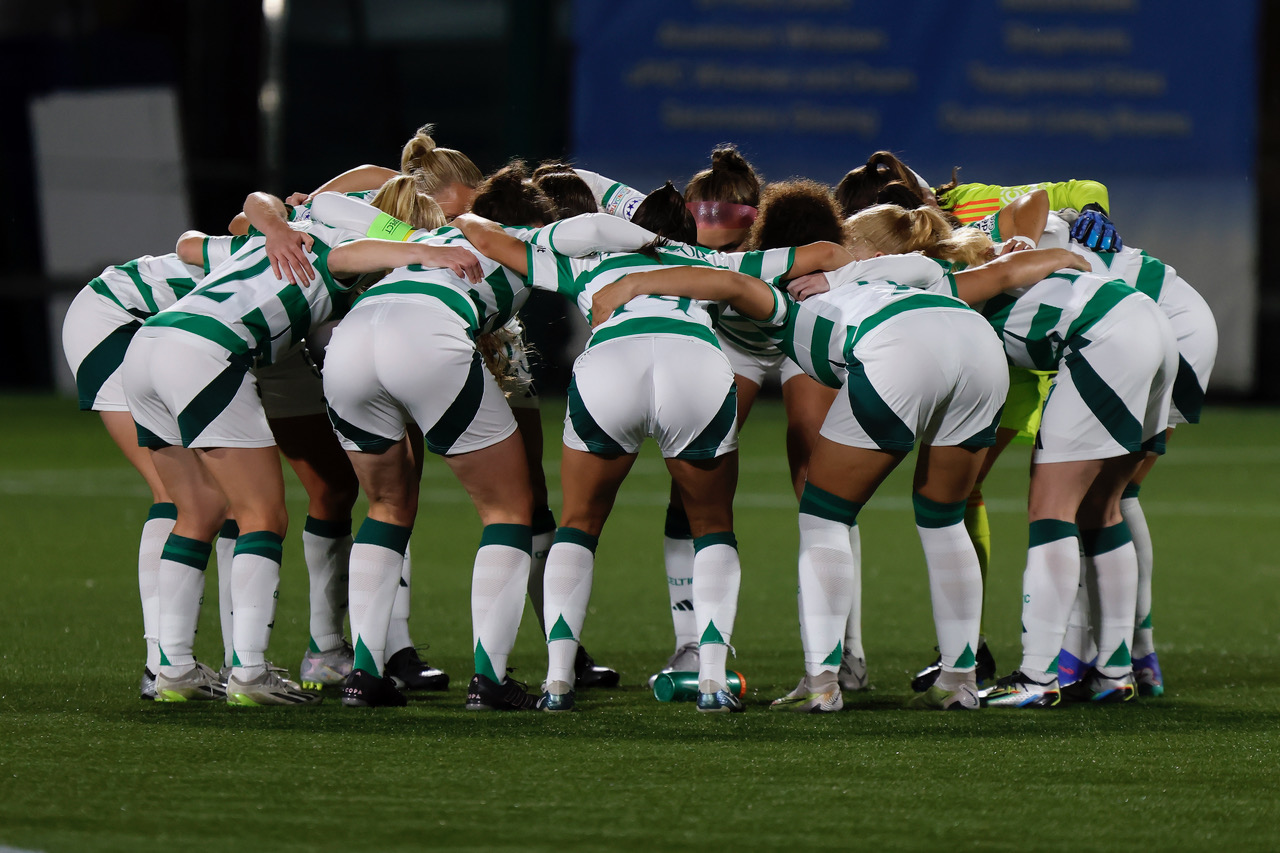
[(1037, 323), (580, 278), (612, 197), (147, 285), (1142, 272), (485, 305), (822, 333), (244, 308)]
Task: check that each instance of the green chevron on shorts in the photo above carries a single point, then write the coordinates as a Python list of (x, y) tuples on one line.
[(212, 401), (1188, 396), (714, 434), (102, 361), (1105, 403), (461, 412), (882, 424), (368, 442), (586, 428)]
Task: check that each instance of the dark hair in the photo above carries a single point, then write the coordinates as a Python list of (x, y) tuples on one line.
[(859, 188), (941, 192), (900, 194), (793, 213), (731, 179), (569, 194), (664, 213), (551, 167), (509, 197)]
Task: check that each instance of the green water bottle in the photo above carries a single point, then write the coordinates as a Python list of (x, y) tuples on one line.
[(683, 686)]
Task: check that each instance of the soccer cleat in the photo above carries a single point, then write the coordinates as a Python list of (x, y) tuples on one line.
[(986, 669), (1146, 671), (365, 690), (558, 696), (411, 672), (271, 687), (587, 674), (720, 702), (813, 695), (1071, 670), (484, 694), (323, 668), (963, 698), (196, 684), (853, 673), (147, 686), (1106, 690), (684, 659), (1020, 691)]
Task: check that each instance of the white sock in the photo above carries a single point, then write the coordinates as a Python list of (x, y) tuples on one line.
[(566, 595), (378, 556), (326, 545), (853, 629), (826, 591), (225, 549), (498, 584), (677, 557), (181, 588), (717, 574), (1048, 591), (398, 628), (955, 580), (544, 535), (255, 586), (1078, 639), (155, 531), (1114, 586), (1136, 519)]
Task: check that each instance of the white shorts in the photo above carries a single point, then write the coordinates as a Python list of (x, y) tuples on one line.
[(183, 390), (677, 389), (95, 336), (1112, 393), (936, 377), (756, 368), (1197, 337), (291, 387), (397, 360)]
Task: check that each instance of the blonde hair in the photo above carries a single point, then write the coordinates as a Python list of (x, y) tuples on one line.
[(403, 198), (894, 230), (435, 167)]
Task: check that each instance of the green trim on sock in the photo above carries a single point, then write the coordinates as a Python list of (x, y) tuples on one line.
[(261, 543), (230, 530), (544, 521), (933, 515), (1050, 530), (712, 635), (312, 647), (822, 504), (560, 631), (967, 660), (235, 659), (364, 658), (1105, 539), (1053, 667), (384, 534), (511, 535), (189, 552), (676, 525), (1120, 657), (575, 536), (327, 529), (1131, 491), (725, 537), (836, 656), (164, 659), (484, 666), (1145, 623), (162, 510)]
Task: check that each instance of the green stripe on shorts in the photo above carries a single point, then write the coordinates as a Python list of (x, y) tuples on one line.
[(714, 434), (102, 361), (444, 434), (367, 442), (212, 401), (881, 423), (1105, 403), (586, 428)]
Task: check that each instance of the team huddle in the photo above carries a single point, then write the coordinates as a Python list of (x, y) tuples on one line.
[(358, 327)]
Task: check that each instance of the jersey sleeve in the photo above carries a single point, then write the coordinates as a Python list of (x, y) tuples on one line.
[(215, 250), (551, 271), (770, 264), (341, 211), (612, 197), (590, 233)]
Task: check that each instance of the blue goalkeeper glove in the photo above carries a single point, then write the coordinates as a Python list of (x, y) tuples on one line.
[(1095, 231)]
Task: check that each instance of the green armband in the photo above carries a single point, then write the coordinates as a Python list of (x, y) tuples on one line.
[(386, 227)]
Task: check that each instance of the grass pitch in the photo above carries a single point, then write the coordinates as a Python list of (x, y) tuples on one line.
[(85, 765)]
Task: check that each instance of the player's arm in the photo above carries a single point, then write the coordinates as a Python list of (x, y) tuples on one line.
[(818, 257), (359, 179), (490, 240), (1017, 269), (1021, 222), (190, 248), (748, 295), (286, 248), (373, 255), (589, 233)]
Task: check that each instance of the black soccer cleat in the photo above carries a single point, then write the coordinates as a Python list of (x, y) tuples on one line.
[(410, 672), (365, 690), (483, 694), (587, 674), (986, 669)]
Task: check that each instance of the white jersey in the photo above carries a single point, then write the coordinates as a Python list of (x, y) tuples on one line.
[(147, 284), (612, 197)]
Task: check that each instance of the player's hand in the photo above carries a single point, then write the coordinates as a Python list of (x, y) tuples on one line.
[(296, 199), (460, 261), (808, 285), (608, 299), (1015, 244), (1093, 230), (287, 251)]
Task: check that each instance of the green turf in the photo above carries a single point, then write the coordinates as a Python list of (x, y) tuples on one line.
[(84, 765)]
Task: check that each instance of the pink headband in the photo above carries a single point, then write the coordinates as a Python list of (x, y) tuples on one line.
[(721, 214)]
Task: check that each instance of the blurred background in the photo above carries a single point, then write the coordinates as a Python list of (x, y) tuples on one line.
[(125, 122)]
